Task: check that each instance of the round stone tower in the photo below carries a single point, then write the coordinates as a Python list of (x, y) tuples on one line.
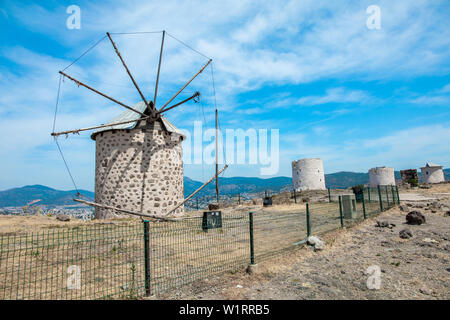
[(381, 176), (308, 174), (139, 166), (431, 173)]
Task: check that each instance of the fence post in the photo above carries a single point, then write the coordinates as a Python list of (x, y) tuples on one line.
[(398, 197), (379, 197), (252, 248), (368, 188), (295, 196), (197, 203), (329, 195), (147, 257), (340, 212), (239, 198), (364, 206), (393, 195), (308, 222), (387, 196)]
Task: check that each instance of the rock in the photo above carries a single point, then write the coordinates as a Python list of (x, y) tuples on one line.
[(315, 242), (426, 291), (447, 213), (252, 268), (405, 234), (239, 286), (429, 240), (419, 205), (213, 206), (63, 217), (415, 217), (404, 208), (384, 224)]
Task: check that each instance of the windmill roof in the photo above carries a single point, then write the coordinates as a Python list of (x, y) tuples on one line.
[(129, 115), (431, 165)]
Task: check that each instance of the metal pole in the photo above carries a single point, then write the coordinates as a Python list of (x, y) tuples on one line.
[(368, 188), (387, 195), (308, 222), (329, 195), (393, 195), (239, 198), (340, 212), (159, 68), (398, 196), (147, 256), (379, 197), (364, 206), (252, 249), (295, 196), (197, 203)]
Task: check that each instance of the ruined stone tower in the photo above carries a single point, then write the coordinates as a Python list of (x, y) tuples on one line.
[(308, 174), (139, 165), (382, 176), (431, 173)]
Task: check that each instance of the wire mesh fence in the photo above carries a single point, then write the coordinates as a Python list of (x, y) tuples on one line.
[(135, 259)]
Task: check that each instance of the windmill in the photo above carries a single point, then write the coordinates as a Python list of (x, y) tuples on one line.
[(139, 166)]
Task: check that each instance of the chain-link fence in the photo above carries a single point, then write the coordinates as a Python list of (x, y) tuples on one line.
[(128, 260)]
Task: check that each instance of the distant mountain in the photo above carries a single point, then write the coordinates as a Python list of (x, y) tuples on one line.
[(228, 186), (22, 196)]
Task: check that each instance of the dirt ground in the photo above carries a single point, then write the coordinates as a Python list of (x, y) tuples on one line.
[(415, 268)]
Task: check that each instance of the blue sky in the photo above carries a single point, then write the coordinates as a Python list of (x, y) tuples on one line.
[(357, 98)]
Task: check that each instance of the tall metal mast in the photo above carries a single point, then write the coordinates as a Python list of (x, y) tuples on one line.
[(217, 159)]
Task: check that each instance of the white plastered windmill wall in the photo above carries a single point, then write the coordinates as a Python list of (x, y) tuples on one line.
[(308, 174), (139, 166), (381, 176), (431, 173)]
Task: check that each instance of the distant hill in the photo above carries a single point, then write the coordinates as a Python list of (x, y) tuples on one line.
[(228, 186), (21, 196)]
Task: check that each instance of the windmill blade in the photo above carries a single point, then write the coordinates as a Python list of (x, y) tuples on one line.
[(126, 68), (187, 83), (55, 134), (159, 68), (195, 95), (100, 93)]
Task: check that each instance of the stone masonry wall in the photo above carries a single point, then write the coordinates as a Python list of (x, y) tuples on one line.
[(139, 170)]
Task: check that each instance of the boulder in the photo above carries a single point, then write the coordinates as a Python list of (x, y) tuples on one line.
[(63, 217), (415, 218), (405, 234), (315, 242), (213, 206)]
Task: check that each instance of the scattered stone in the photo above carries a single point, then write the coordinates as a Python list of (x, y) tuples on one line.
[(124, 287), (213, 206), (63, 217), (415, 218), (239, 286), (252, 268), (404, 208), (384, 224), (426, 291), (447, 213), (429, 240), (315, 242), (419, 205), (405, 234)]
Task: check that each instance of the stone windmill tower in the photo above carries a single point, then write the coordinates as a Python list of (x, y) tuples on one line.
[(139, 167)]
